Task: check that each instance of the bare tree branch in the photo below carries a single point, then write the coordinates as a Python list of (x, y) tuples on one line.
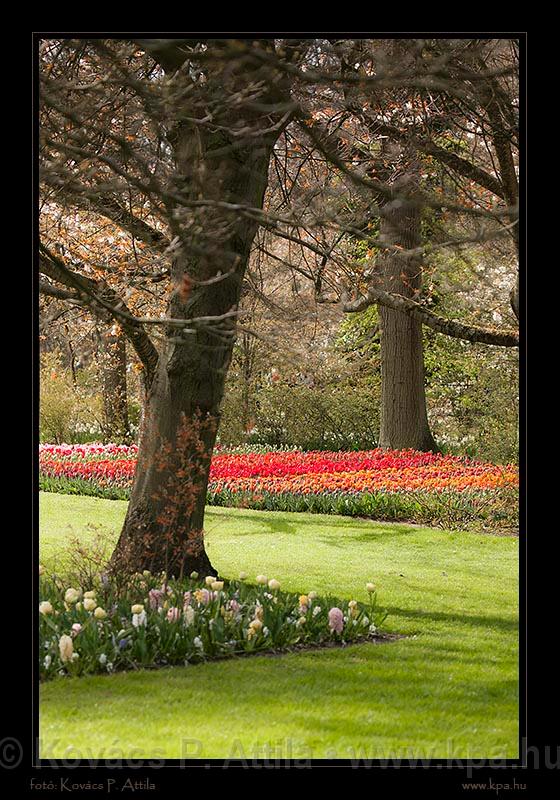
[(451, 328), (103, 300), (465, 168), (54, 291)]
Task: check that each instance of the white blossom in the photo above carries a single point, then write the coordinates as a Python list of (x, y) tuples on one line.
[(139, 619)]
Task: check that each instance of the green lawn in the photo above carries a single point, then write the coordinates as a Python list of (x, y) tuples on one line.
[(449, 690)]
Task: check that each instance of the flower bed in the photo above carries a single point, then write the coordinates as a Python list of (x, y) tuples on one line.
[(154, 623), (385, 484)]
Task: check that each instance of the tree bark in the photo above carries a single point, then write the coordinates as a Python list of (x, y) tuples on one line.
[(183, 400), (404, 419), (113, 376), (180, 420), (449, 327)]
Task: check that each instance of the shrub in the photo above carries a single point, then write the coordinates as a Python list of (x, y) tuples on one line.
[(59, 411), (71, 407), (328, 417)]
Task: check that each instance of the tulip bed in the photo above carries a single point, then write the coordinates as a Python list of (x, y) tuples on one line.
[(382, 484), (154, 623)]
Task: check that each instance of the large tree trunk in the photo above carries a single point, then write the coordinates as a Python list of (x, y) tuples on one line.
[(165, 518), (163, 529), (404, 420)]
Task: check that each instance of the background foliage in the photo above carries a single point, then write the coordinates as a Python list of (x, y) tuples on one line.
[(472, 393)]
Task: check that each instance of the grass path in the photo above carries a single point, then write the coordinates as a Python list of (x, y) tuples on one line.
[(448, 690)]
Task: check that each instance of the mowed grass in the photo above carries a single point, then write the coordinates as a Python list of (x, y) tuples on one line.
[(448, 690)]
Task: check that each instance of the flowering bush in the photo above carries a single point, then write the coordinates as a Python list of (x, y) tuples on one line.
[(156, 622), (386, 484)]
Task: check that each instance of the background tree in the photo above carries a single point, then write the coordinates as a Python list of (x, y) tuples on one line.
[(116, 425), (389, 119)]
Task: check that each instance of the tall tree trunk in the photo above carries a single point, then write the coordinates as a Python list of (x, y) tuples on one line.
[(404, 420), (164, 522), (113, 375), (165, 518), (248, 360), (163, 529)]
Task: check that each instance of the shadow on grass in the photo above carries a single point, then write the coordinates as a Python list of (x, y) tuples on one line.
[(382, 532), (488, 621), (260, 524), (266, 523)]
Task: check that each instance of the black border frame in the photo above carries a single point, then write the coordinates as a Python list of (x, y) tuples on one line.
[(29, 761)]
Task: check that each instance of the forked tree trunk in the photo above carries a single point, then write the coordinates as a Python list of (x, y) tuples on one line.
[(404, 420), (164, 523)]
